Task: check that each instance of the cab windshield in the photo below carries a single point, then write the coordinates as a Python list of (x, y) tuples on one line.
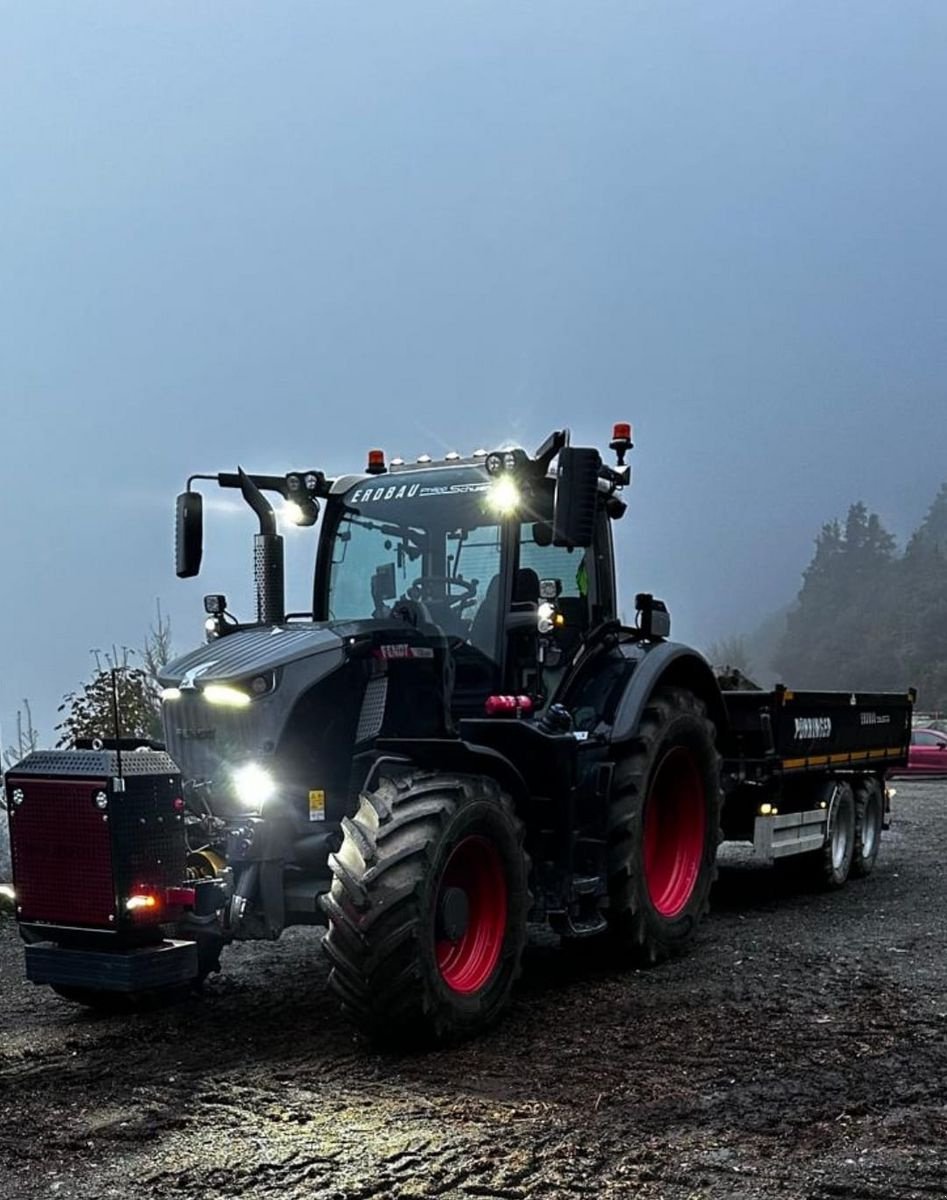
[(421, 537)]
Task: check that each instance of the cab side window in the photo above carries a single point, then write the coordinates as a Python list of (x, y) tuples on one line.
[(569, 567)]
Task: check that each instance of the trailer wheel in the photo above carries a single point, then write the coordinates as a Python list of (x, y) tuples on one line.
[(664, 828), (869, 818), (832, 864), (427, 909)]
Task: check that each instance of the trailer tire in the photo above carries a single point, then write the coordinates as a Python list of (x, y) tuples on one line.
[(869, 819), (663, 828), (832, 864), (427, 909)]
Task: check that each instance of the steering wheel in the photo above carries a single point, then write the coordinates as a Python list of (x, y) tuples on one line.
[(425, 588)]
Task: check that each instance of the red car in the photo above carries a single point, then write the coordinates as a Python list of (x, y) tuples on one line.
[(927, 755)]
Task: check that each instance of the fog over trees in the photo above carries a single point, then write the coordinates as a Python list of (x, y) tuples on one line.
[(868, 616)]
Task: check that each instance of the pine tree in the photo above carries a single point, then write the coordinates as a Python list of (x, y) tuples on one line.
[(836, 633)]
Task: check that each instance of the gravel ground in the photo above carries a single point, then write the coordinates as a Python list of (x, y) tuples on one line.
[(799, 1050)]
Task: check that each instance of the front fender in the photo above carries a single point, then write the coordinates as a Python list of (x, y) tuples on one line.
[(665, 664), (453, 754)]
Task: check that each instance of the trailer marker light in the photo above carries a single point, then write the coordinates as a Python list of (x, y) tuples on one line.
[(140, 902), (228, 697)]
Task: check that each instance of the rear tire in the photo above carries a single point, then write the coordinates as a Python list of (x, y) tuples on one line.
[(869, 819), (427, 909), (664, 825)]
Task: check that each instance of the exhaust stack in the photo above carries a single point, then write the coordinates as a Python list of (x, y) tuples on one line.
[(268, 569)]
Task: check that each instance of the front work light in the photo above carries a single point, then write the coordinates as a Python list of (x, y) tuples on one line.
[(228, 697), (253, 785), (504, 496)]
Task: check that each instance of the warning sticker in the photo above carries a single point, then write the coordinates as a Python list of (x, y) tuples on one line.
[(317, 805)]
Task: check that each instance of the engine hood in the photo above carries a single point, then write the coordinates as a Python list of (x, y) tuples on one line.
[(237, 656), (207, 740)]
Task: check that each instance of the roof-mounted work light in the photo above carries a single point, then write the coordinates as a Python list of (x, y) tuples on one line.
[(505, 461), (301, 506)]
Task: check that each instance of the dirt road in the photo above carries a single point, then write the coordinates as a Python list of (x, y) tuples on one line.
[(800, 1050)]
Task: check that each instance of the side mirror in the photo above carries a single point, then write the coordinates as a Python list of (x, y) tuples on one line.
[(576, 497), (189, 534)]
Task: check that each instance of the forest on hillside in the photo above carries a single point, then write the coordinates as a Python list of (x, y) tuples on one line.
[(868, 616)]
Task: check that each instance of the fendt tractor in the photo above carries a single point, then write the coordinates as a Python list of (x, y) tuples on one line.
[(459, 738)]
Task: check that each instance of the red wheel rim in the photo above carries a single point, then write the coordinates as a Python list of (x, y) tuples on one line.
[(675, 823), (475, 867)]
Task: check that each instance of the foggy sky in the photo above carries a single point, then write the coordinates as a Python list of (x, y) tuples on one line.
[(278, 234)]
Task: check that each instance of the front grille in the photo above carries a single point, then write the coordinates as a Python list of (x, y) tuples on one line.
[(62, 855), (203, 739)]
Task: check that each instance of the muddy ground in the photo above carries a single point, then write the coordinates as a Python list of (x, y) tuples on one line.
[(800, 1050)]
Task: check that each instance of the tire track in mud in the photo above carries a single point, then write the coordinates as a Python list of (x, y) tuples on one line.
[(799, 1050)]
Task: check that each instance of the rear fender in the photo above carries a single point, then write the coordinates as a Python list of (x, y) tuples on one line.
[(666, 664)]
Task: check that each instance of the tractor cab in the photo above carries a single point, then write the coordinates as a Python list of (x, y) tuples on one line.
[(472, 558)]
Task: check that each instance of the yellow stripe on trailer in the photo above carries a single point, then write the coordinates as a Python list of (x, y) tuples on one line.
[(829, 760)]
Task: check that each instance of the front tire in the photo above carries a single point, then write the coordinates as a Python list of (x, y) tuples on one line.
[(427, 909), (664, 828)]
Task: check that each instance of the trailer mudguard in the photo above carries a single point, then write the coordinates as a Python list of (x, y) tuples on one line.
[(665, 664)]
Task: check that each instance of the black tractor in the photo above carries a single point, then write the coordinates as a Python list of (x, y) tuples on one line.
[(459, 738)]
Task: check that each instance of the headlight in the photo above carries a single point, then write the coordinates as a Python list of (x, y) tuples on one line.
[(253, 785), (230, 697)]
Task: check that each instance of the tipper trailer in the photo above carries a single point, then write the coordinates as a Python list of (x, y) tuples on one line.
[(459, 737)]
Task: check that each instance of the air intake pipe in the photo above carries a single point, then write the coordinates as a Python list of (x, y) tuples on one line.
[(268, 571)]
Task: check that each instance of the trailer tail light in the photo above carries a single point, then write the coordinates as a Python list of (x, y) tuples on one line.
[(508, 706)]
